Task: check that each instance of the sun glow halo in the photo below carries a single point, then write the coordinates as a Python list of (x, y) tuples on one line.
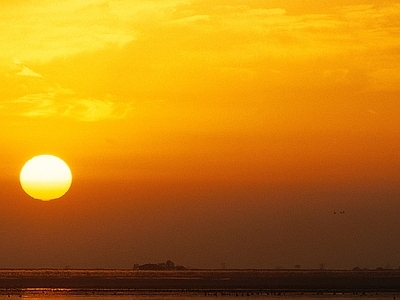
[(45, 177)]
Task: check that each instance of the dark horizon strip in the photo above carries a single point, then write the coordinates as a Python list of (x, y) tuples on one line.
[(135, 281)]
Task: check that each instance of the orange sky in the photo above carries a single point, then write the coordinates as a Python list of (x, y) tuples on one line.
[(204, 132)]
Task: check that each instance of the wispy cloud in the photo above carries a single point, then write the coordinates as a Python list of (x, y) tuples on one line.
[(344, 39), (59, 104), (28, 72), (91, 109), (56, 30), (42, 30), (274, 31), (27, 93)]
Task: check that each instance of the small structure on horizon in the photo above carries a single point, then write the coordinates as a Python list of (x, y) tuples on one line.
[(168, 265)]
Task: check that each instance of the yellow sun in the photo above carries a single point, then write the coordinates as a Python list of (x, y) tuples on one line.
[(45, 177)]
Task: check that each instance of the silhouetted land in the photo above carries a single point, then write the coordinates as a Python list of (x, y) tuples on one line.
[(204, 281)]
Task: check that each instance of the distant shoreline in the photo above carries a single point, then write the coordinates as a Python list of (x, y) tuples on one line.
[(263, 282)]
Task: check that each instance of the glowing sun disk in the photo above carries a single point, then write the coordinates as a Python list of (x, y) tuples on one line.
[(45, 177)]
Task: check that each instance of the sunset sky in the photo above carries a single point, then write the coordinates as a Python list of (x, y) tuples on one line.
[(203, 132)]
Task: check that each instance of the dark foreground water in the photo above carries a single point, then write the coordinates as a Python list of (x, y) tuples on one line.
[(49, 295), (196, 284)]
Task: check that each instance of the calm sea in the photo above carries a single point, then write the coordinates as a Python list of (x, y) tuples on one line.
[(198, 284), (65, 294)]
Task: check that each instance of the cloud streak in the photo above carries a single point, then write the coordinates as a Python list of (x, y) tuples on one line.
[(35, 96), (28, 72), (58, 29), (53, 104), (92, 110)]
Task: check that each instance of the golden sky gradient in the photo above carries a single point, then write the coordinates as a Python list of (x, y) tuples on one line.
[(200, 121)]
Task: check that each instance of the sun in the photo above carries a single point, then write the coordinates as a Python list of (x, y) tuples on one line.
[(45, 177)]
